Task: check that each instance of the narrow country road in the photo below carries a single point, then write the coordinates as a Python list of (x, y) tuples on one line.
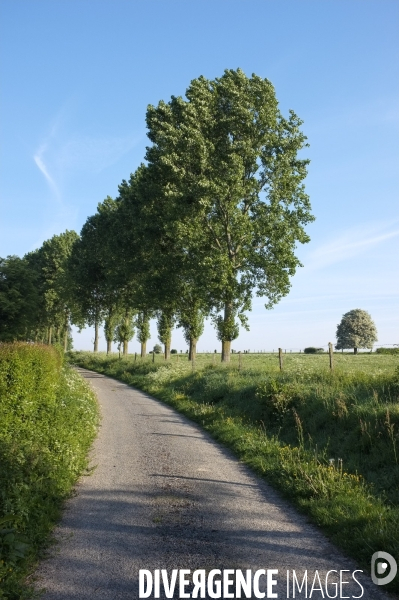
[(163, 495)]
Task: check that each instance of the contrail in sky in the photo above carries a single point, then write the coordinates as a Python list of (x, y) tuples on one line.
[(38, 158), (347, 245)]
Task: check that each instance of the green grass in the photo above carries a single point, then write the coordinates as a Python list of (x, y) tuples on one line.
[(329, 441), (48, 419)]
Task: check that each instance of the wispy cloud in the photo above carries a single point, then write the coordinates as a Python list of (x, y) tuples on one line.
[(349, 244), (62, 154), (92, 154), (374, 112), (39, 160), (335, 296)]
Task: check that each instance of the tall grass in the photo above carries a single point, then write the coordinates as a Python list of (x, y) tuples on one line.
[(329, 441), (48, 418)]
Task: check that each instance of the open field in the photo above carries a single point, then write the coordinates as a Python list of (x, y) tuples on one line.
[(327, 440)]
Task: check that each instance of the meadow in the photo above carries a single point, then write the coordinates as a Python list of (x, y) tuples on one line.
[(328, 440)]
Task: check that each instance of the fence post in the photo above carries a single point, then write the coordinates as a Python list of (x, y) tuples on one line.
[(239, 361), (280, 358), (135, 356), (153, 356), (330, 352)]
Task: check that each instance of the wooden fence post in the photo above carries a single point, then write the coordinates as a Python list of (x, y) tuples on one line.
[(280, 358), (330, 352), (239, 361), (153, 356)]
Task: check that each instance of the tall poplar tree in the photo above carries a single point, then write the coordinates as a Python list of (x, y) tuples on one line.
[(164, 277), (165, 322), (51, 265), (226, 165), (90, 270)]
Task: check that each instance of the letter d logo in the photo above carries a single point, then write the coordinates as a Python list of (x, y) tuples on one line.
[(381, 567)]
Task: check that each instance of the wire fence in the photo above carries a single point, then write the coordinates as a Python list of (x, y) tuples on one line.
[(325, 347), (280, 354)]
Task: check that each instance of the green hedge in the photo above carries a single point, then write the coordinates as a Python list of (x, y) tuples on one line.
[(313, 350), (29, 374), (387, 350), (48, 419)]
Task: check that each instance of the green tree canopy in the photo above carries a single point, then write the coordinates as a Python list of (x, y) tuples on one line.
[(162, 277), (356, 330), (226, 165), (19, 299), (50, 263), (91, 270), (124, 328)]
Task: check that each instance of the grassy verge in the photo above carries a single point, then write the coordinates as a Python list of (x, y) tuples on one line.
[(48, 419), (327, 440)]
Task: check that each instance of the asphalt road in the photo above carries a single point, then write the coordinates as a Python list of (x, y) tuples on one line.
[(163, 495)]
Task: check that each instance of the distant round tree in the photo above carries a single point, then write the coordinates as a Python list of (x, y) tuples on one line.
[(157, 349), (356, 330)]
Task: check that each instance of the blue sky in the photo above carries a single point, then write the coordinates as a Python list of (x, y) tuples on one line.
[(76, 77)]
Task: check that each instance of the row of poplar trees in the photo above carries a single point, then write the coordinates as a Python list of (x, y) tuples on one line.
[(212, 217)]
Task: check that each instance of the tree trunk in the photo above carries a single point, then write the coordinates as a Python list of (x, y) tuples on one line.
[(226, 350), (226, 344), (66, 330), (49, 335), (167, 349), (143, 349), (192, 353), (109, 346), (95, 349), (354, 350), (125, 347)]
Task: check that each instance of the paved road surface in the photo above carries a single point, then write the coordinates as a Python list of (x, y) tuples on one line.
[(165, 496)]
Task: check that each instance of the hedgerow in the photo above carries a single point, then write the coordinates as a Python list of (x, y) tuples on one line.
[(48, 419)]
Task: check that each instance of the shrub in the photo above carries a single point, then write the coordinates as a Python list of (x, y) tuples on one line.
[(387, 350), (313, 350), (173, 351), (276, 397)]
